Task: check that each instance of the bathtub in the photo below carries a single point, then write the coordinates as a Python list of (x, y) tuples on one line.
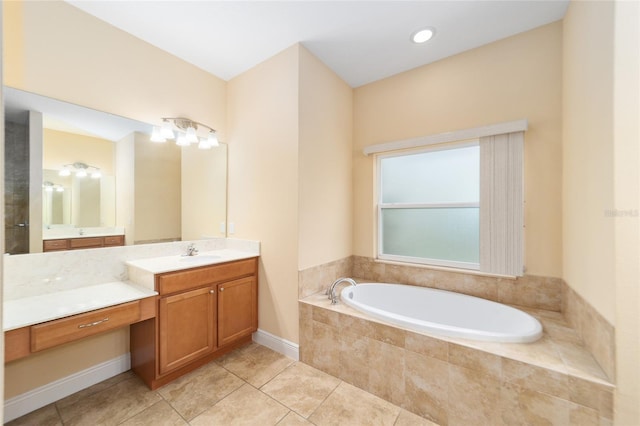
[(443, 312)]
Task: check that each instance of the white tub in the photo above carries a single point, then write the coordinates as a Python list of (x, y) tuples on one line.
[(443, 312)]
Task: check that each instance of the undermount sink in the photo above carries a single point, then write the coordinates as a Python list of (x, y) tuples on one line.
[(199, 258)]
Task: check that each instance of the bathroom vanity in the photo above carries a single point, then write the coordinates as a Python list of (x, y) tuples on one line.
[(82, 243), (203, 311)]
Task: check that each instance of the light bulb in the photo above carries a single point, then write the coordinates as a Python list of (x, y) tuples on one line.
[(60, 189), (167, 131), (48, 188), (192, 137), (213, 139), (156, 135), (81, 173), (422, 36), (204, 144), (96, 174), (65, 172), (182, 140)]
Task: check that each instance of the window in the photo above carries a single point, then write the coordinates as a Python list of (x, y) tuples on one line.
[(429, 206), (453, 204)]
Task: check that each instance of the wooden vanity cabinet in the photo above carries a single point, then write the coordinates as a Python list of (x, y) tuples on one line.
[(82, 243), (203, 313)]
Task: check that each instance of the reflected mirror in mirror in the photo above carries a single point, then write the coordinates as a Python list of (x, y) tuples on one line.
[(141, 189)]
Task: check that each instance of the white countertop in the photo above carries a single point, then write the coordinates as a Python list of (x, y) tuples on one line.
[(159, 265), (46, 307)]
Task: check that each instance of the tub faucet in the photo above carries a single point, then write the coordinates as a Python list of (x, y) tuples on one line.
[(331, 290), (191, 250)]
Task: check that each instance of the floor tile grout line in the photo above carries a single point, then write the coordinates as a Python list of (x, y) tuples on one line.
[(325, 399)]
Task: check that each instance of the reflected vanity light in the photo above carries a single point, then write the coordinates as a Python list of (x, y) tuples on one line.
[(80, 170), (50, 186), (186, 133)]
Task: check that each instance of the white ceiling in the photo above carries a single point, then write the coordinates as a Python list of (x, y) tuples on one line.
[(362, 41)]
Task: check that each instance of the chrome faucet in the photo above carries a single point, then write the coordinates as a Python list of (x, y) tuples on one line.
[(191, 250), (331, 290)]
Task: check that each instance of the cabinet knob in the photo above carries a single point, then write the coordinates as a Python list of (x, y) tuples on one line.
[(212, 291), (221, 288)]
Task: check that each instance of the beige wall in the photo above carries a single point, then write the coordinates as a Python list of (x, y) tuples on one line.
[(601, 116), (1, 218), (511, 79), (626, 136), (290, 174), (263, 181), (60, 148), (325, 193), (588, 253), (53, 49)]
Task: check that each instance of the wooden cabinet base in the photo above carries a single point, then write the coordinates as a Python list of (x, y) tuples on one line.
[(144, 366)]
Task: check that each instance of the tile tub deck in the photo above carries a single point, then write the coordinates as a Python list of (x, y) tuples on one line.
[(454, 381)]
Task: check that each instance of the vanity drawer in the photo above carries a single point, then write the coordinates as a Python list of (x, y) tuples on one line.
[(65, 330), (88, 242), (183, 280), (52, 245), (114, 240)]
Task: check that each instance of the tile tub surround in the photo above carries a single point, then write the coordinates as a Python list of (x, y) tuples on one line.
[(598, 334), (530, 290), (456, 381), (41, 273)]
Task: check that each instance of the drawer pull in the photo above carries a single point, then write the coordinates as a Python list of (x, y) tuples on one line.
[(221, 288), (212, 291), (91, 324)]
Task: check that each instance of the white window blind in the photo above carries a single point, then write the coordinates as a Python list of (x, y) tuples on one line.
[(501, 204)]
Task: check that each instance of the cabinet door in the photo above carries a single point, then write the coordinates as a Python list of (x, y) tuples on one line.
[(186, 327), (237, 309)]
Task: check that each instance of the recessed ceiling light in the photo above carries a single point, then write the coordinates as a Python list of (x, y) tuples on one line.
[(423, 35)]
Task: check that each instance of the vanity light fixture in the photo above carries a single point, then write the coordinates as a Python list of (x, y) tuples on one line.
[(50, 186), (423, 35), (186, 133), (80, 170)]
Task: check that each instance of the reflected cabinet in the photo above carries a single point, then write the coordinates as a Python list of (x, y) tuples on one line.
[(203, 313)]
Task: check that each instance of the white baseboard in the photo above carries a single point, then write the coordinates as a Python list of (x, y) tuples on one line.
[(37, 398), (278, 344)]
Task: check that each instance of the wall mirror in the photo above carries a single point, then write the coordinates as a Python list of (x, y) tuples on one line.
[(131, 185)]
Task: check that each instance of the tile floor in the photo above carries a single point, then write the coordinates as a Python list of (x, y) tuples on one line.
[(251, 386)]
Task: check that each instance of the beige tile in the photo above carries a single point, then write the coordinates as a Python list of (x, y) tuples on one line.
[(406, 418), (484, 362), (190, 395), (386, 371), (245, 406), (293, 419), (593, 395), (579, 361), (356, 325), (98, 387), (255, 363), (45, 416), (354, 359), (389, 334), (535, 378), (110, 406), (427, 345), (348, 405), (326, 316), (583, 416), (325, 352), (474, 397), (159, 413), (426, 387), (301, 388), (521, 406)]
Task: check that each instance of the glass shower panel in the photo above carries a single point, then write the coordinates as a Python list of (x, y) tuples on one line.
[(451, 234)]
